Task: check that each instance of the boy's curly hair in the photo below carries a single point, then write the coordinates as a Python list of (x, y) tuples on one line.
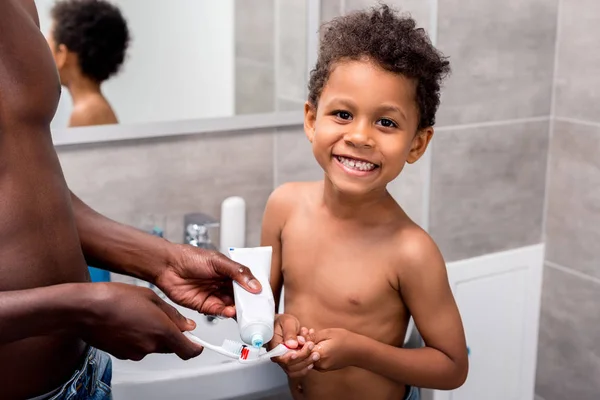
[(391, 41), (96, 31)]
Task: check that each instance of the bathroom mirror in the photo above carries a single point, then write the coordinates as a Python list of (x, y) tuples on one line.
[(202, 65)]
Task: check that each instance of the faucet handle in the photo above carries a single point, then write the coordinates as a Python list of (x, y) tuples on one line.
[(200, 219)]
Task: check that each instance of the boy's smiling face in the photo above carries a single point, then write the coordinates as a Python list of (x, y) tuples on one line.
[(365, 127)]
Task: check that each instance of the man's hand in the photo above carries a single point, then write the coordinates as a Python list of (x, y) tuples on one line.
[(202, 280), (334, 349), (299, 360), (131, 322)]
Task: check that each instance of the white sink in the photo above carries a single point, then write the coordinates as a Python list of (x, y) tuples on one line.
[(209, 376)]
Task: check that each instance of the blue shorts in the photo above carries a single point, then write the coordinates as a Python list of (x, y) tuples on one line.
[(90, 382), (412, 393)]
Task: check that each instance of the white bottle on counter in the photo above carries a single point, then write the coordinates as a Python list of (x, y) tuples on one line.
[(255, 312), (233, 223)]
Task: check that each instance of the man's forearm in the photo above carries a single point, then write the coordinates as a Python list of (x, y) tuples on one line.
[(119, 248), (424, 367), (42, 311)]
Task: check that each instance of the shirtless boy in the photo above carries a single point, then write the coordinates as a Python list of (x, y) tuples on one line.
[(52, 320), (354, 265)]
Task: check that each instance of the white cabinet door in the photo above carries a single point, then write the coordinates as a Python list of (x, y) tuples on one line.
[(498, 296)]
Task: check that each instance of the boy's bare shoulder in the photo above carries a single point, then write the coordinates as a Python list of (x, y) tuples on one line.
[(285, 199), (292, 193), (415, 251)]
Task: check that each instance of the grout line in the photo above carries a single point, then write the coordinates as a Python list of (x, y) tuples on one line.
[(426, 174), (274, 162), (433, 21), (426, 193), (292, 99), (573, 272), (493, 123), (551, 127), (578, 121), (276, 51)]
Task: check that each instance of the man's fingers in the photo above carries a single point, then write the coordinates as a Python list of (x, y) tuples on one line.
[(226, 267), (215, 306), (182, 322), (184, 347)]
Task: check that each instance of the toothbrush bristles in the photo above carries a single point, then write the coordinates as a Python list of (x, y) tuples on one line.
[(233, 346)]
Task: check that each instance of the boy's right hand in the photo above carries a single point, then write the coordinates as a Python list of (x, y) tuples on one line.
[(298, 361), (131, 322)]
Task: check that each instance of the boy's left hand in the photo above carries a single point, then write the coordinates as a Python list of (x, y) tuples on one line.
[(336, 348)]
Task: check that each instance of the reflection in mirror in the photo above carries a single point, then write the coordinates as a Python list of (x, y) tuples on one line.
[(186, 59)]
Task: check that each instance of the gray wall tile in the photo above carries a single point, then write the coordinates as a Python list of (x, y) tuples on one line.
[(568, 364), (573, 216), (487, 188), (254, 28), (330, 9), (502, 56), (291, 41), (407, 190), (171, 177), (418, 9), (254, 87), (290, 105), (294, 160), (578, 80)]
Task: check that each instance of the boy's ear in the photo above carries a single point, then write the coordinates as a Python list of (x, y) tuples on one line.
[(310, 118), (60, 56), (419, 144)]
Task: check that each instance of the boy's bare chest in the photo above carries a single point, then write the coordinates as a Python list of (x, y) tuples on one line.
[(344, 270)]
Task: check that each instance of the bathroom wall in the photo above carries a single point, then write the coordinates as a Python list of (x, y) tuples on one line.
[(270, 54), (569, 340)]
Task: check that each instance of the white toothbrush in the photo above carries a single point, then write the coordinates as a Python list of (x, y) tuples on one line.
[(239, 351)]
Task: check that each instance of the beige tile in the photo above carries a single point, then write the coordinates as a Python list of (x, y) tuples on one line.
[(573, 216), (254, 30), (568, 364), (167, 178), (294, 160), (291, 57), (254, 88), (578, 80), (487, 188), (502, 57)]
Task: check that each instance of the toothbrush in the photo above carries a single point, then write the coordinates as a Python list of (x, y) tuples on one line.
[(236, 350)]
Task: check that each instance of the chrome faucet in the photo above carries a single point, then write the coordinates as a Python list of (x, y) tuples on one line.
[(196, 228)]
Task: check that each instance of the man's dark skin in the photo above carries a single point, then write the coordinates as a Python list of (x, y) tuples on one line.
[(49, 311)]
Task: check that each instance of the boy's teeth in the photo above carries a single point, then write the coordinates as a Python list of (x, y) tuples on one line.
[(355, 164)]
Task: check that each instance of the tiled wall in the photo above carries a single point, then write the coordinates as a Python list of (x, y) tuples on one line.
[(254, 56), (270, 55), (489, 156), (569, 341)]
